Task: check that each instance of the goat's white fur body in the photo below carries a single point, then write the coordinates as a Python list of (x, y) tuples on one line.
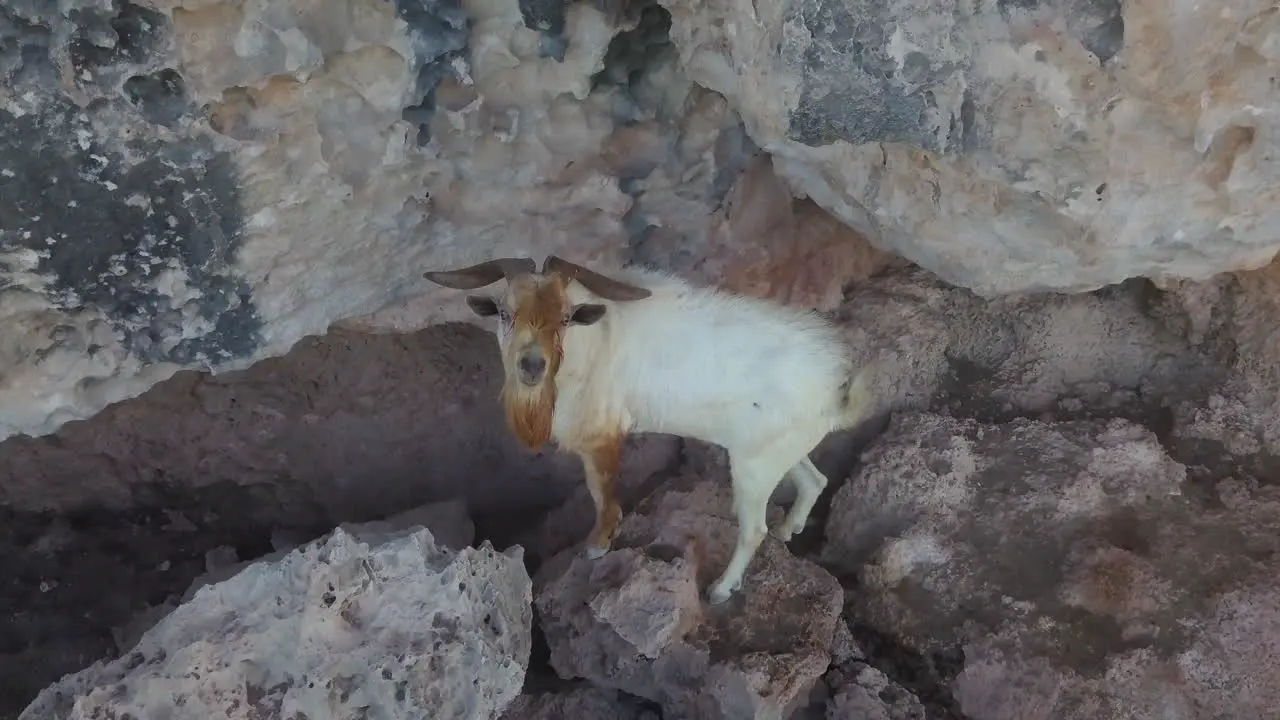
[(764, 381)]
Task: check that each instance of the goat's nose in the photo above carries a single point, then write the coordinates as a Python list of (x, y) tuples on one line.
[(532, 366)]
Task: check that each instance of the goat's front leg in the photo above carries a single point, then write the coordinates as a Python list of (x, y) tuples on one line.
[(600, 460)]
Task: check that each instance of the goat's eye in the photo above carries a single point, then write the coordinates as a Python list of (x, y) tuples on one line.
[(504, 315)]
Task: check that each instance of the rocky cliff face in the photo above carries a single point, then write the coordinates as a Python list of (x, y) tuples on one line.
[(201, 184), (1063, 505)]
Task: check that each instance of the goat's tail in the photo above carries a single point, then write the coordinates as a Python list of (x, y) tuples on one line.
[(859, 401)]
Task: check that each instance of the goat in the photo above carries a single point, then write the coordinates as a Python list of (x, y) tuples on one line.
[(588, 359)]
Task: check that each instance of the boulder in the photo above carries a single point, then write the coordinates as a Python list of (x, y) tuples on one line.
[(1073, 566), (200, 185), (853, 690), (587, 703), (1013, 146), (864, 693), (376, 625), (634, 620)]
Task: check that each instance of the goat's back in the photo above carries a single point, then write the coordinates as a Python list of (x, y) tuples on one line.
[(723, 368)]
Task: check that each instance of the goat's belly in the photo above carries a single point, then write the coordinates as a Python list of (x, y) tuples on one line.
[(728, 424)]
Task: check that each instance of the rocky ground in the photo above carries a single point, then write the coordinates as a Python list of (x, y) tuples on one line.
[(1064, 507)]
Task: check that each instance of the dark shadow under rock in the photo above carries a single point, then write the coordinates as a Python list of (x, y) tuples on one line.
[(344, 428), (357, 624), (582, 702), (114, 515)]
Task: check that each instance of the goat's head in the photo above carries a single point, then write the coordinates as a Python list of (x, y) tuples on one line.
[(532, 317)]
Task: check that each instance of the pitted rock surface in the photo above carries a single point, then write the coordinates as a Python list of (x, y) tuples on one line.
[(386, 626), (1073, 564), (199, 186), (581, 702), (635, 619), (1013, 146)]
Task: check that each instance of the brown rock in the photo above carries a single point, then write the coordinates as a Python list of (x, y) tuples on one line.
[(634, 619), (766, 243), (1070, 564), (1233, 319)]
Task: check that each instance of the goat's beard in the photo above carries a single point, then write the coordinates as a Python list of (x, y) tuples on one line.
[(530, 410)]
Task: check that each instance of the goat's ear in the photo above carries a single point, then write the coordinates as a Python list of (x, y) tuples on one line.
[(482, 306), (586, 314)]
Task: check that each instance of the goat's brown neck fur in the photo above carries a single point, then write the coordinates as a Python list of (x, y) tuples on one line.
[(539, 309), (530, 411)]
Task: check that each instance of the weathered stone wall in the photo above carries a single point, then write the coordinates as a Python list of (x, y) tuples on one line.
[(201, 184), (1009, 146)]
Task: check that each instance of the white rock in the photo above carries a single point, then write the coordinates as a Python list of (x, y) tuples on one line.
[(381, 627)]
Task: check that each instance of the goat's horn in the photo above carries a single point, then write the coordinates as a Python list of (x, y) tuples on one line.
[(605, 287), (486, 273)]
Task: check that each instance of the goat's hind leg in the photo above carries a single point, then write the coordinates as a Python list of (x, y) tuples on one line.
[(809, 482), (754, 479)]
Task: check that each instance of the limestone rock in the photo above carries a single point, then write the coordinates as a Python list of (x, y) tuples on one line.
[(448, 523), (853, 690), (1072, 563), (634, 619), (868, 694), (202, 184), (764, 242), (1060, 145), (583, 702), (1232, 319), (388, 626), (930, 343)]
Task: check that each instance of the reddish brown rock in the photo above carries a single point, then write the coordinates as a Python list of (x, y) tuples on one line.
[(765, 242)]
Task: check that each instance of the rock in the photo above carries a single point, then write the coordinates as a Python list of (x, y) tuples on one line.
[(1058, 145), (634, 620), (221, 558), (450, 526), (766, 243), (1232, 319), (449, 522), (584, 702), (930, 343), (262, 172), (1070, 564), (868, 694), (384, 625), (350, 426)]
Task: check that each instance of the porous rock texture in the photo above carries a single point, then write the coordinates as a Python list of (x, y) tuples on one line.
[(377, 626), (201, 184), (579, 702), (1070, 564), (1008, 146), (634, 620)]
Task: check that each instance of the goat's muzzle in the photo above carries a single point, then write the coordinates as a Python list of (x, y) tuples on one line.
[(531, 365)]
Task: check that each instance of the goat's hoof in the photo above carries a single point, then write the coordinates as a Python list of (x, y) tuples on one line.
[(717, 596), (781, 532), (595, 553)]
